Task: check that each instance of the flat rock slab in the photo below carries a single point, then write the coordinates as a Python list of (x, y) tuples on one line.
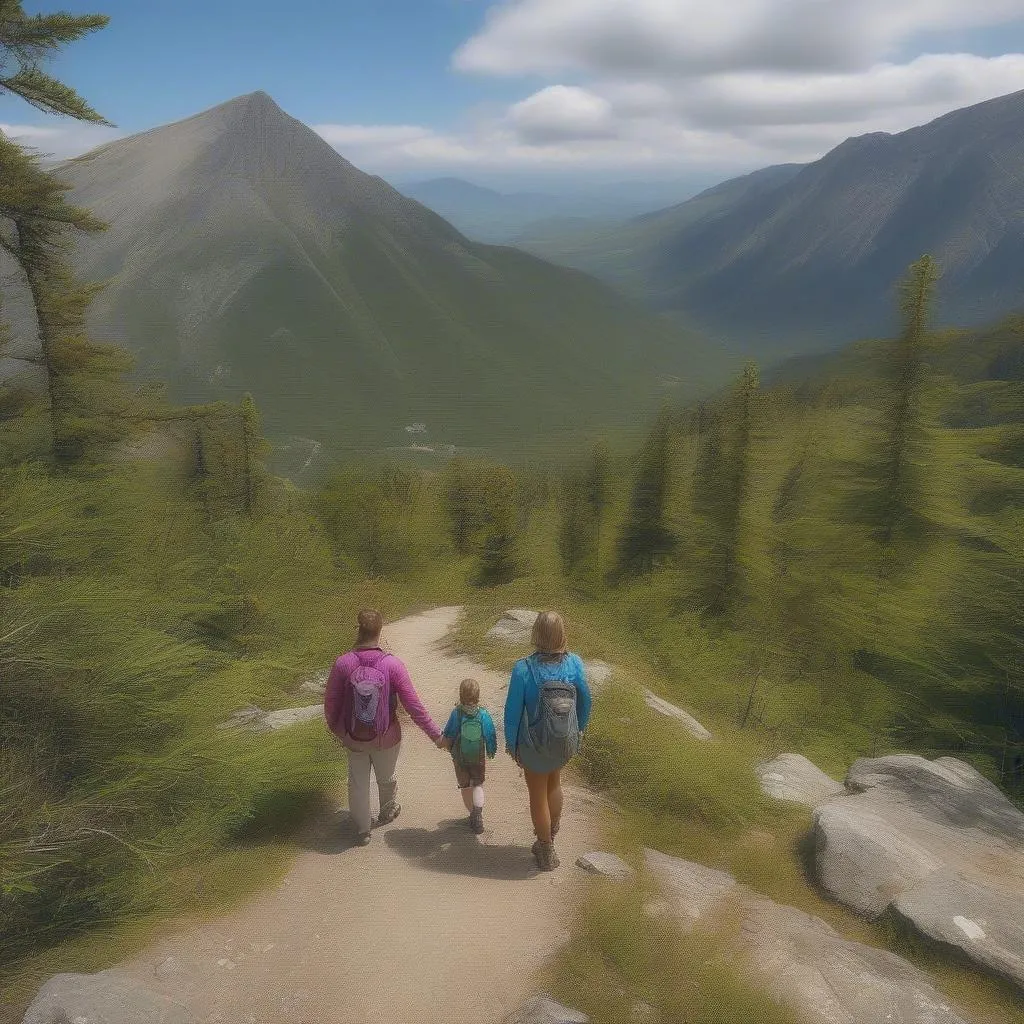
[(315, 684), (799, 959), (691, 890), (543, 1009), (977, 919), (607, 864), (937, 844), (514, 627), (793, 777), (598, 674), (286, 717), (663, 707), (104, 998)]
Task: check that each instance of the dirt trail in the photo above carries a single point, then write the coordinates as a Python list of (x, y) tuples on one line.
[(429, 923)]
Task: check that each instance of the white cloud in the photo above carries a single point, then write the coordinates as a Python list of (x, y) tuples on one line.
[(60, 143), (563, 112), (697, 37)]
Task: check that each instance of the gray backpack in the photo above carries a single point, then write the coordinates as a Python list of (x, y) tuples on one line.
[(554, 738)]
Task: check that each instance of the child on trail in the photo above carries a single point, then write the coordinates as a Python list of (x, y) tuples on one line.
[(471, 738)]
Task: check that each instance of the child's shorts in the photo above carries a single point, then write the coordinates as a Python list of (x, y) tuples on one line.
[(471, 774)]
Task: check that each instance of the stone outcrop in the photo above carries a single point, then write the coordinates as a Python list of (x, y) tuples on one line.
[(798, 959), (934, 843), (514, 627), (793, 777), (104, 998), (663, 707)]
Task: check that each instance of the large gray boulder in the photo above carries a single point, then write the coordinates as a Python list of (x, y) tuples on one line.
[(514, 627), (104, 998), (663, 707), (935, 843), (793, 777), (800, 960)]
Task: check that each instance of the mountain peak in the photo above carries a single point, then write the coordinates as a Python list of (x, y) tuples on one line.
[(252, 105)]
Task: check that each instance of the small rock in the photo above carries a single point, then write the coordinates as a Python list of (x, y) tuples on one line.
[(643, 1013), (663, 707), (598, 674), (167, 969), (514, 627), (793, 777), (315, 684), (607, 864), (250, 716), (542, 1009), (286, 717)]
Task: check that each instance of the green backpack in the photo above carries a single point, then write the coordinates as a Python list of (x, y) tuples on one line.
[(469, 745)]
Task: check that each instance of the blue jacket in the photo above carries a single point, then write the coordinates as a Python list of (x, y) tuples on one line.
[(450, 731), (523, 689)]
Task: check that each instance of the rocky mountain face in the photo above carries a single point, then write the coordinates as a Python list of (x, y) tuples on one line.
[(809, 260), (245, 254)]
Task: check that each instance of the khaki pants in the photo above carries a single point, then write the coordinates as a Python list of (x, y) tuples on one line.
[(384, 763)]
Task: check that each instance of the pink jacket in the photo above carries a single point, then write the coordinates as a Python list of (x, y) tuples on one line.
[(338, 698)]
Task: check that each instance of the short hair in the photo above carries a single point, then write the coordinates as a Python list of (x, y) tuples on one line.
[(371, 624), (469, 692), (549, 633)]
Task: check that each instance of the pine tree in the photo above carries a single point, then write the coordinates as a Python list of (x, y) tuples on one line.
[(574, 532), (646, 537), (499, 550), (597, 484), (26, 41), (721, 484), (88, 403), (903, 443)]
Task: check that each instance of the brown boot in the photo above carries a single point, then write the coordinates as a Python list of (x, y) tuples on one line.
[(547, 859)]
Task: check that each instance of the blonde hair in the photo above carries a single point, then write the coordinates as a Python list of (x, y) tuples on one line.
[(371, 624), (549, 633), (469, 692)]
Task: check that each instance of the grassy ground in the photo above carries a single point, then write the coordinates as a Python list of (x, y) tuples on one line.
[(699, 801)]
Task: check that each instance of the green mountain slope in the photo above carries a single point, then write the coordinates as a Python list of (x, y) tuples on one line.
[(246, 254)]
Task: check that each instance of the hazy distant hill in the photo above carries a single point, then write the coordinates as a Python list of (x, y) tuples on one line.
[(487, 215), (810, 261), (246, 254), (625, 254)]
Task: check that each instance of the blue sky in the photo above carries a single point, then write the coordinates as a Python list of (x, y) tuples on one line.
[(533, 88)]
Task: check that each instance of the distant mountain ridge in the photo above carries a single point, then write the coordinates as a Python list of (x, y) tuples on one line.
[(810, 260), (488, 215), (245, 254)]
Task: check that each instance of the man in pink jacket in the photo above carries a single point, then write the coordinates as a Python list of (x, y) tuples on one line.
[(360, 706)]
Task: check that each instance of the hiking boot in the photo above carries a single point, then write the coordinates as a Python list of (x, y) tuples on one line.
[(363, 839), (476, 820), (547, 859), (388, 815)]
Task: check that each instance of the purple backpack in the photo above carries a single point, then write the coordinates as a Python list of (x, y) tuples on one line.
[(371, 703)]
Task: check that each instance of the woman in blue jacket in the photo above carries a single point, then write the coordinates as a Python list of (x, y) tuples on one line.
[(546, 710)]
